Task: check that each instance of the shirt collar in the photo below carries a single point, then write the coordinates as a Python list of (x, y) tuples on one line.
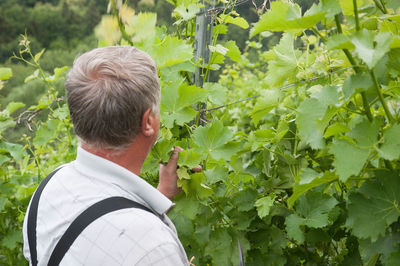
[(113, 173)]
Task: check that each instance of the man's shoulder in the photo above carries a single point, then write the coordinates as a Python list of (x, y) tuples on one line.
[(137, 224), (132, 232)]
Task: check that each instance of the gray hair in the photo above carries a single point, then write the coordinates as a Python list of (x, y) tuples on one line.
[(108, 91)]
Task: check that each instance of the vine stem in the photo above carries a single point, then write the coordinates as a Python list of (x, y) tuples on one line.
[(121, 25), (381, 6), (316, 31), (381, 98), (384, 7), (356, 15), (214, 39), (366, 105)]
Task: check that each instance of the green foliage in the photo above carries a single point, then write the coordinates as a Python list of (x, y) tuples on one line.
[(295, 172), (53, 24), (312, 211), (377, 198), (5, 73), (27, 162)]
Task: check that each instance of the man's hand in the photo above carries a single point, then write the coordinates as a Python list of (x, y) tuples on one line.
[(168, 176)]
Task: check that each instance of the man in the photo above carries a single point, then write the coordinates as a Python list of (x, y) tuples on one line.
[(113, 96)]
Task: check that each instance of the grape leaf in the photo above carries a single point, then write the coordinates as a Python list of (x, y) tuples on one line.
[(211, 140), (365, 133), (356, 83), (308, 175), (335, 129), (196, 186), (330, 7), (16, 151), (6, 124), (143, 29), (377, 198), (239, 178), (299, 190), (257, 139), (349, 159), (177, 98), (39, 54), (268, 101), (264, 205), (216, 93), (384, 245), (339, 41), (171, 73), (46, 133), (202, 234), (282, 60), (172, 51), (182, 174), (371, 47), (233, 51), (3, 159), (33, 76), (238, 21), (244, 200), (183, 224), (327, 95), (189, 158), (61, 112), (125, 13), (285, 16), (187, 206), (393, 259), (3, 201), (219, 247), (293, 223), (241, 220), (186, 13), (216, 174), (57, 72), (226, 151), (218, 49), (107, 31), (5, 73), (312, 210), (311, 129), (11, 239), (390, 149)]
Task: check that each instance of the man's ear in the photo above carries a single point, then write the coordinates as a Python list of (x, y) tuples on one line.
[(148, 126)]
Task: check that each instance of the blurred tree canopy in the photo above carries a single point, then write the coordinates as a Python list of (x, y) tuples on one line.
[(65, 28)]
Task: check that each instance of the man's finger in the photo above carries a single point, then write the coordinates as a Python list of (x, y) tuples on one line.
[(197, 169), (174, 157)]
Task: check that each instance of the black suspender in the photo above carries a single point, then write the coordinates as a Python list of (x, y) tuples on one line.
[(77, 226), (32, 218), (85, 218)]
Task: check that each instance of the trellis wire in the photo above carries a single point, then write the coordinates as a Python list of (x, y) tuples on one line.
[(280, 88)]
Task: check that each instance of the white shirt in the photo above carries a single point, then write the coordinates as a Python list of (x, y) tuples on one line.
[(124, 237)]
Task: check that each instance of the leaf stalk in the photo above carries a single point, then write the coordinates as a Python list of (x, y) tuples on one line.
[(352, 61), (316, 31), (381, 5), (381, 98), (121, 25), (356, 15)]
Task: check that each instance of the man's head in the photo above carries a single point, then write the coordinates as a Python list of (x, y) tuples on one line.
[(109, 90)]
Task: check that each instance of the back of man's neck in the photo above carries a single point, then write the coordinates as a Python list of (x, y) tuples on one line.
[(131, 158)]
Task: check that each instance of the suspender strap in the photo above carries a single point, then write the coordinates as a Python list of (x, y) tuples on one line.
[(85, 218), (77, 226), (32, 218)]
